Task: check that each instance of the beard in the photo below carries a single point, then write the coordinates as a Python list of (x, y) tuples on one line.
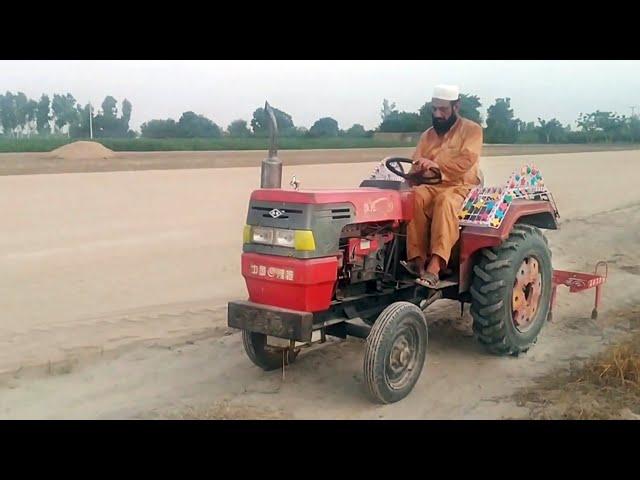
[(442, 126)]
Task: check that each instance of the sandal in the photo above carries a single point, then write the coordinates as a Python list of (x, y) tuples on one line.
[(428, 280)]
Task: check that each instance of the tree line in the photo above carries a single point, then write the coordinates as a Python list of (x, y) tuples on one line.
[(193, 125), (21, 116), (503, 127)]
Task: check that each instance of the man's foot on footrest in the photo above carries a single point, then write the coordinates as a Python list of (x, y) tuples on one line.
[(428, 280)]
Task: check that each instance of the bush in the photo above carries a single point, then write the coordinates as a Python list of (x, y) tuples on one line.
[(146, 144), (528, 137)]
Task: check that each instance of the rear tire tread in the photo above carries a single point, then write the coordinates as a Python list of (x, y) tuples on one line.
[(491, 291)]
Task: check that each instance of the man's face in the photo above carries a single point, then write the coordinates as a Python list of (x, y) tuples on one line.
[(443, 115), (441, 109)]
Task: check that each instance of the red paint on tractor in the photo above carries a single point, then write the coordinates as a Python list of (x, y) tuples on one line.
[(406, 198), (371, 204), (305, 285), (473, 239), (578, 282)]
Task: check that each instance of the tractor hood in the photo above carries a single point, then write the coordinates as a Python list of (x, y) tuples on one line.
[(369, 204)]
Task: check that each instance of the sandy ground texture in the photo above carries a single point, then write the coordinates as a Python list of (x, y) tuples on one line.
[(92, 157), (113, 292)]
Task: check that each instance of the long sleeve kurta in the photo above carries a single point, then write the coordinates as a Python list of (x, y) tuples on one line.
[(434, 229)]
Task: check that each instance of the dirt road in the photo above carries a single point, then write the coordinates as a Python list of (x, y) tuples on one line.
[(107, 276), (38, 163)]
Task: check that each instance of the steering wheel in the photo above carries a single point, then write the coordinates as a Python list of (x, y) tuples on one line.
[(413, 179)]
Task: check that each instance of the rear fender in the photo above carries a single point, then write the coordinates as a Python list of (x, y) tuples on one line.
[(538, 213)]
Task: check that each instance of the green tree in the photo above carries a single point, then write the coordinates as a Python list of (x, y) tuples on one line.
[(260, 123), (126, 115), (387, 109), (550, 131), (403, 122), (586, 121), (31, 115), (64, 110), (109, 107), (296, 132), (613, 125), (44, 115), (192, 125), (501, 126), (106, 123), (238, 128), (634, 128), (21, 102), (8, 113), (425, 114), (81, 129), (356, 130), (601, 125), (324, 127), (470, 107), (159, 129)]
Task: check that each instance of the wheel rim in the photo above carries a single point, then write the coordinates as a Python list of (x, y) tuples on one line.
[(403, 357), (527, 291)]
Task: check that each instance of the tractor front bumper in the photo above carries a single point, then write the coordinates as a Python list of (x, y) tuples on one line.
[(270, 320)]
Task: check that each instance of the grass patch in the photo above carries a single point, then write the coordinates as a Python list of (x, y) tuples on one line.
[(606, 387), (197, 144)]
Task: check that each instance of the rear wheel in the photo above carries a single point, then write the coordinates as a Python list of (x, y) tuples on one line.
[(511, 291), (263, 355), (395, 352)]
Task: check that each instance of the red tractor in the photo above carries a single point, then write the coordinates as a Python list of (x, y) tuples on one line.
[(328, 261)]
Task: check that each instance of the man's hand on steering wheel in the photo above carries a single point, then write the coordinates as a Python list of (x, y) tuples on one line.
[(430, 176), (424, 164)]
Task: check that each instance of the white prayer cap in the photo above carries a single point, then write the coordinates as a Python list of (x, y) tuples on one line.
[(446, 92)]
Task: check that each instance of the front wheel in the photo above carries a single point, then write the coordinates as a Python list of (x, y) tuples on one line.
[(395, 352), (264, 355)]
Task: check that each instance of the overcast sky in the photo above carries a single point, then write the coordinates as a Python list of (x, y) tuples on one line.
[(347, 90)]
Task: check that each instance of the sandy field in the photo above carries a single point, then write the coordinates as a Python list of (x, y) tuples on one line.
[(113, 289), (97, 159)]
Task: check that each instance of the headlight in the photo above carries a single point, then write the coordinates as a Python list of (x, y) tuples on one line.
[(262, 235), (284, 238), (279, 237)]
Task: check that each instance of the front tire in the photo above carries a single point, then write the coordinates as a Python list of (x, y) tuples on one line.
[(264, 356), (395, 352)]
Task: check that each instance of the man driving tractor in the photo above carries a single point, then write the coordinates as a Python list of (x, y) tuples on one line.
[(449, 149)]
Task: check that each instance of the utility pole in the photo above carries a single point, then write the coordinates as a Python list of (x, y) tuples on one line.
[(90, 122)]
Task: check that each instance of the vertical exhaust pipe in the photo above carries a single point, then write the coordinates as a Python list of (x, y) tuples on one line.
[(271, 170)]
